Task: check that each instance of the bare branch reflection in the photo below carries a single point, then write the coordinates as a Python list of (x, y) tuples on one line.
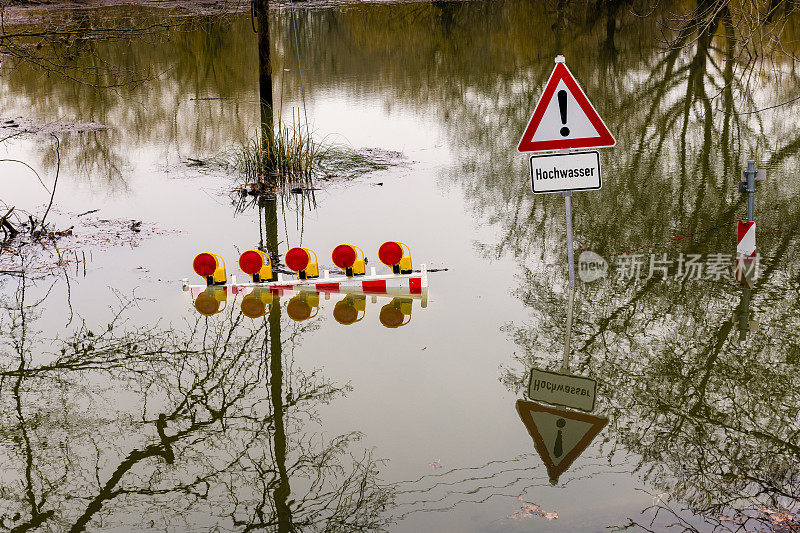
[(152, 426)]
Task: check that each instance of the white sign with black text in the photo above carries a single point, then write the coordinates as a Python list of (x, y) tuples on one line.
[(557, 388), (579, 171)]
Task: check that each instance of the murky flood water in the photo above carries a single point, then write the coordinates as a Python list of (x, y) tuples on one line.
[(126, 409)]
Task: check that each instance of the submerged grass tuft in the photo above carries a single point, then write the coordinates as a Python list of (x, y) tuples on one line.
[(292, 159), (340, 160), (286, 157)]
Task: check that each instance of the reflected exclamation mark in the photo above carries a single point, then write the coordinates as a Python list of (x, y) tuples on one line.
[(562, 107), (558, 447)]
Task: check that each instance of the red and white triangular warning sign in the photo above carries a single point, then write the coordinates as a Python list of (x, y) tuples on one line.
[(564, 117), (559, 435)]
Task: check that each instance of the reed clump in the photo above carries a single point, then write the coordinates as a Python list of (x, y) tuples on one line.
[(291, 159)]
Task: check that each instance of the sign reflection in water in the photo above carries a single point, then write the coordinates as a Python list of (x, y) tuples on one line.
[(560, 435)]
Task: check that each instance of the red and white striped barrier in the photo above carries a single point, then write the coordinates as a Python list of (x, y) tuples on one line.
[(746, 239)]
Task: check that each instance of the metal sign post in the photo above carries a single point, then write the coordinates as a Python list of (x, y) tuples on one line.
[(743, 315), (746, 229), (751, 190), (571, 263)]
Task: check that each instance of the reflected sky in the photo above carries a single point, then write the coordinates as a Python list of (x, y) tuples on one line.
[(125, 397)]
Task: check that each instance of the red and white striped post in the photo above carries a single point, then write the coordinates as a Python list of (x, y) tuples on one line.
[(746, 241), (746, 238), (746, 258)]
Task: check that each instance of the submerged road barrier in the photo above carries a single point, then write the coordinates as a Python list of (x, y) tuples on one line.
[(265, 288)]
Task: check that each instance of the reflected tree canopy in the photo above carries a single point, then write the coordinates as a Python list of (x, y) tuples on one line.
[(713, 418), (210, 425), (657, 74)]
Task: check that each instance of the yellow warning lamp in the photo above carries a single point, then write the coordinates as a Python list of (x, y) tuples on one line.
[(299, 260), (391, 254), (301, 306), (208, 302), (210, 266), (256, 303), (346, 310), (256, 264), (394, 314), (345, 256)]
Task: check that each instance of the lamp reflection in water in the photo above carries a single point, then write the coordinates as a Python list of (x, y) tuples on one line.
[(211, 301), (301, 306), (257, 303), (395, 313), (346, 310), (305, 305)]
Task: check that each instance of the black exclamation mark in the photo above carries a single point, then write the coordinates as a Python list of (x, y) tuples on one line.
[(558, 447), (562, 107)]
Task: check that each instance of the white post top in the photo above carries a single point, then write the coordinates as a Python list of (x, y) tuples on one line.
[(560, 59)]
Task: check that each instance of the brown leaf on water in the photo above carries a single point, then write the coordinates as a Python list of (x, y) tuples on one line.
[(529, 510)]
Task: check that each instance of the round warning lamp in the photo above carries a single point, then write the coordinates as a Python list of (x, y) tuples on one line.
[(251, 262), (204, 264), (206, 304), (345, 313), (297, 259), (391, 316), (344, 256), (390, 253), (298, 309), (253, 307)]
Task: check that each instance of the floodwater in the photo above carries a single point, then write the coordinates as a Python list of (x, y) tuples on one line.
[(123, 408)]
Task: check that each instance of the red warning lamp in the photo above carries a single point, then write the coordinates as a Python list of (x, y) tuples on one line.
[(393, 314), (299, 260), (391, 254), (204, 264), (210, 266), (257, 264), (346, 257)]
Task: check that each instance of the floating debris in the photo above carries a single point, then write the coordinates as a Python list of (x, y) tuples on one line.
[(23, 125), (529, 510), (49, 251), (780, 520)]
